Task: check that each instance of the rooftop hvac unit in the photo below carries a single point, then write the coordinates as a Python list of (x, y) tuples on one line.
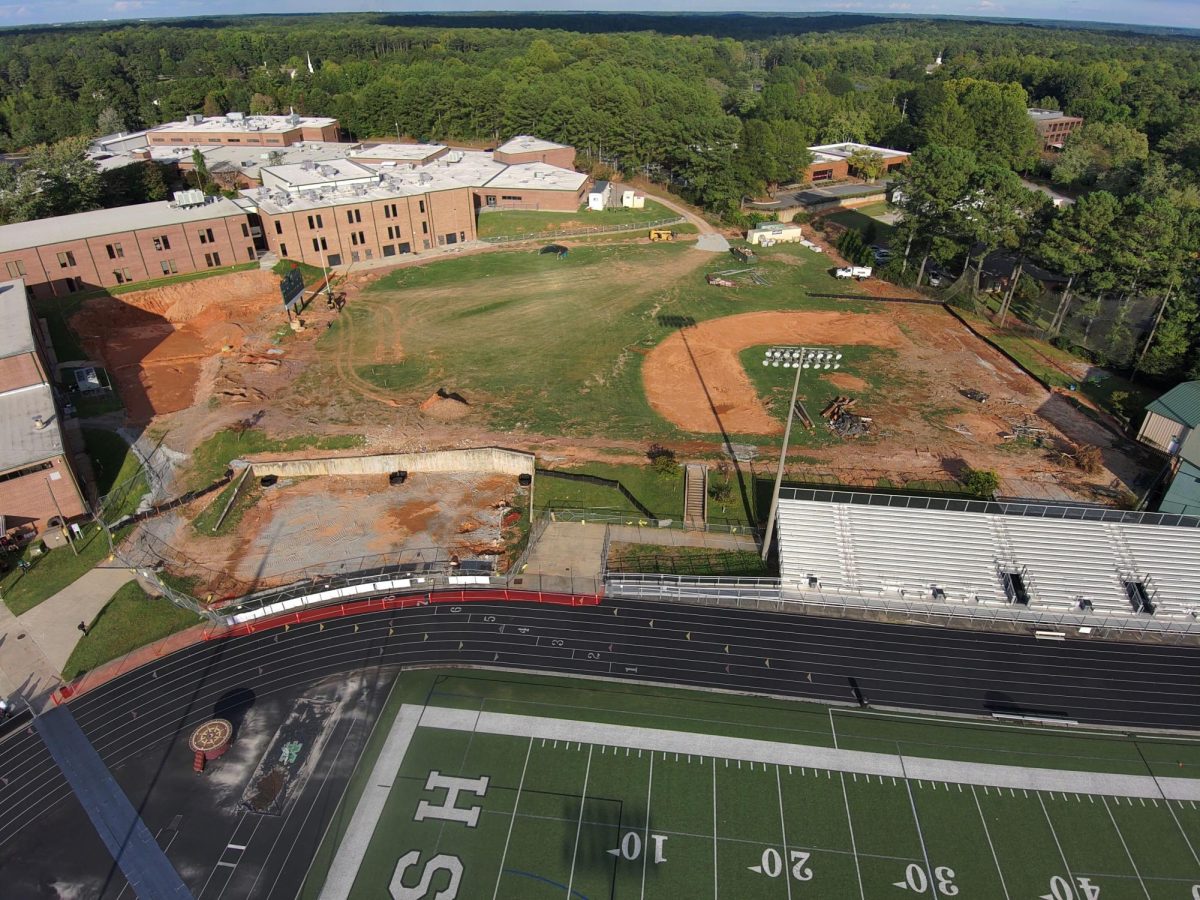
[(308, 165), (425, 178), (195, 119), (236, 117), (186, 199), (328, 171), (360, 190)]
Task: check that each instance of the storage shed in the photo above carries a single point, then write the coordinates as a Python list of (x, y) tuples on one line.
[(600, 196), (776, 233)]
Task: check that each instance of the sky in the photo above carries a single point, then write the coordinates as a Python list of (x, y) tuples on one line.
[(1184, 13)]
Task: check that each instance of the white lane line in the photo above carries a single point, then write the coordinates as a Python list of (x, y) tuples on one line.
[(716, 893), (1113, 819), (988, 835), (646, 836), (862, 893), (783, 828), (513, 819), (353, 848), (1057, 843), (579, 828)]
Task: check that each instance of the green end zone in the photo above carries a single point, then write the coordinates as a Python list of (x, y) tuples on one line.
[(490, 785)]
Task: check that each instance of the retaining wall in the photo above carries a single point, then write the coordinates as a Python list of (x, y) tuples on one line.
[(480, 459)]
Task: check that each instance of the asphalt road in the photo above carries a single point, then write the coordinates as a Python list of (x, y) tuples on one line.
[(139, 723)]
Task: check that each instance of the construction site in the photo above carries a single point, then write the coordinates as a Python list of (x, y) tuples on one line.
[(583, 358)]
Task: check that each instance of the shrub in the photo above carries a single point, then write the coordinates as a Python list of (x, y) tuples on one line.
[(983, 483), (662, 459), (1090, 460)]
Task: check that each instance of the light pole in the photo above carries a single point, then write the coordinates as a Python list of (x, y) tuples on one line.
[(798, 358)]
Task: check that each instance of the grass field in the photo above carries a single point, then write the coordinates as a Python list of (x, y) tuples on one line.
[(530, 787), (553, 346), (515, 222)]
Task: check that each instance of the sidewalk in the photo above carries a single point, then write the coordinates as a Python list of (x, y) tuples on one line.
[(35, 646)]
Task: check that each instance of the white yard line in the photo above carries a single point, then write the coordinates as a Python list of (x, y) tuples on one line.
[(779, 753), (716, 894), (1113, 819), (646, 836), (991, 846), (353, 848), (832, 728), (1183, 833), (1057, 843), (513, 820), (862, 893), (787, 875), (579, 828), (920, 836)]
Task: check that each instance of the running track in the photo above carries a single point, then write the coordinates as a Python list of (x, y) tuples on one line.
[(1134, 686)]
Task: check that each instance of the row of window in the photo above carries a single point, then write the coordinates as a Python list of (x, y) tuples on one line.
[(16, 268)]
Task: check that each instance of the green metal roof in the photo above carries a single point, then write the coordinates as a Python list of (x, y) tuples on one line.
[(1180, 404)]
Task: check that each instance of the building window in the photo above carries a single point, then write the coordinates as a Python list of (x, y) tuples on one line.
[(405, 247), (206, 236), (490, 200), (425, 243), (212, 259), (250, 254), (283, 249), (66, 259), (122, 276), (73, 284), (421, 206), (168, 267), (425, 229), (115, 251), (353, 216), (16, 269), (320, 244), (235, 140), (370, 255), (245, 230), (320, 224), (278, 227), (512, 197), (353, 256), (335, 259), (354, 238), (389, 249), (451, 238), (462, 235), (162, 242)]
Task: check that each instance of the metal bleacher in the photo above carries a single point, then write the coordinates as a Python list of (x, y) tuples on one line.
[(1063, 559)]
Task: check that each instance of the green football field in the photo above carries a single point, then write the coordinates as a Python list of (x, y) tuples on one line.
[(479, 785)]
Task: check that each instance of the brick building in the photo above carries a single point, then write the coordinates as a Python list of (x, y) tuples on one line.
[(239, 129), (109, 247), (1053, 127), (831, 162), (36, 479), (525, 148)]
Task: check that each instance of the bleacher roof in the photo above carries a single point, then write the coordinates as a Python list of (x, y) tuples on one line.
[(1180, 404), (1071, 558)]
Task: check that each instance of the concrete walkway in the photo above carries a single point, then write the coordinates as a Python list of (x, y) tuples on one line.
[(35, 646), (676, 537)]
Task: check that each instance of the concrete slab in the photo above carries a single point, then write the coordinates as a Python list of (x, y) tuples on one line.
[(568, 549), (54, 623), (25, 671), (712, 243)]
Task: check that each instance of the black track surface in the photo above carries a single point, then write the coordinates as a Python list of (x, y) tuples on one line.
[(139, 723)]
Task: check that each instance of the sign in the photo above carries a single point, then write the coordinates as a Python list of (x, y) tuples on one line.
[(292, 287)]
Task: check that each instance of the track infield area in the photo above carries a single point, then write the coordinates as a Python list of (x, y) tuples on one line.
[(523, 788)]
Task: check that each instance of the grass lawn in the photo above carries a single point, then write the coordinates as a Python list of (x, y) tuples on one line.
[(131, 619), (554, 346), (518, 222), (212, 457), (52, 571), (653, 559), (247, 497), (863, 218)]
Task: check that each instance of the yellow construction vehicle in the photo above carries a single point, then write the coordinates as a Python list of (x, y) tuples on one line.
[(662, 234)]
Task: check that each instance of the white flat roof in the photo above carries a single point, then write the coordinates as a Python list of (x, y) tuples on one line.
[(269, 124), (332, 170), (390, 186), (527, 143), (20, 442), (538, 176), (100, 222), (1048, 114), (846, 148), (399, 152), (470, 168), (16, 327)]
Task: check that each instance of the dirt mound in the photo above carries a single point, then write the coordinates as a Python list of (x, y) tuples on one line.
[(446, 406), (846, 381), (155, 343)]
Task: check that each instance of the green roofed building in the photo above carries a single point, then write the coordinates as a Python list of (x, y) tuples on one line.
[(1171, 426)]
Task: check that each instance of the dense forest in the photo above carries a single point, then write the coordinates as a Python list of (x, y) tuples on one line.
[(721, 108)]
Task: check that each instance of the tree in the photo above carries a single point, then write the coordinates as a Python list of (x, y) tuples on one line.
[(263, 105), (983, 483), (999, 211), (56, 180), (989, 119), (1104, 155), (110, 121), (200, 169), (867, 163), (933, 191), (1076, 244)]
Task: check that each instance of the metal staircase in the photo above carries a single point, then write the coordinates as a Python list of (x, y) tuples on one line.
[(695, 496)]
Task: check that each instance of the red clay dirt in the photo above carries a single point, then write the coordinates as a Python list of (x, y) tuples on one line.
[(155, 343), (695, 379)]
